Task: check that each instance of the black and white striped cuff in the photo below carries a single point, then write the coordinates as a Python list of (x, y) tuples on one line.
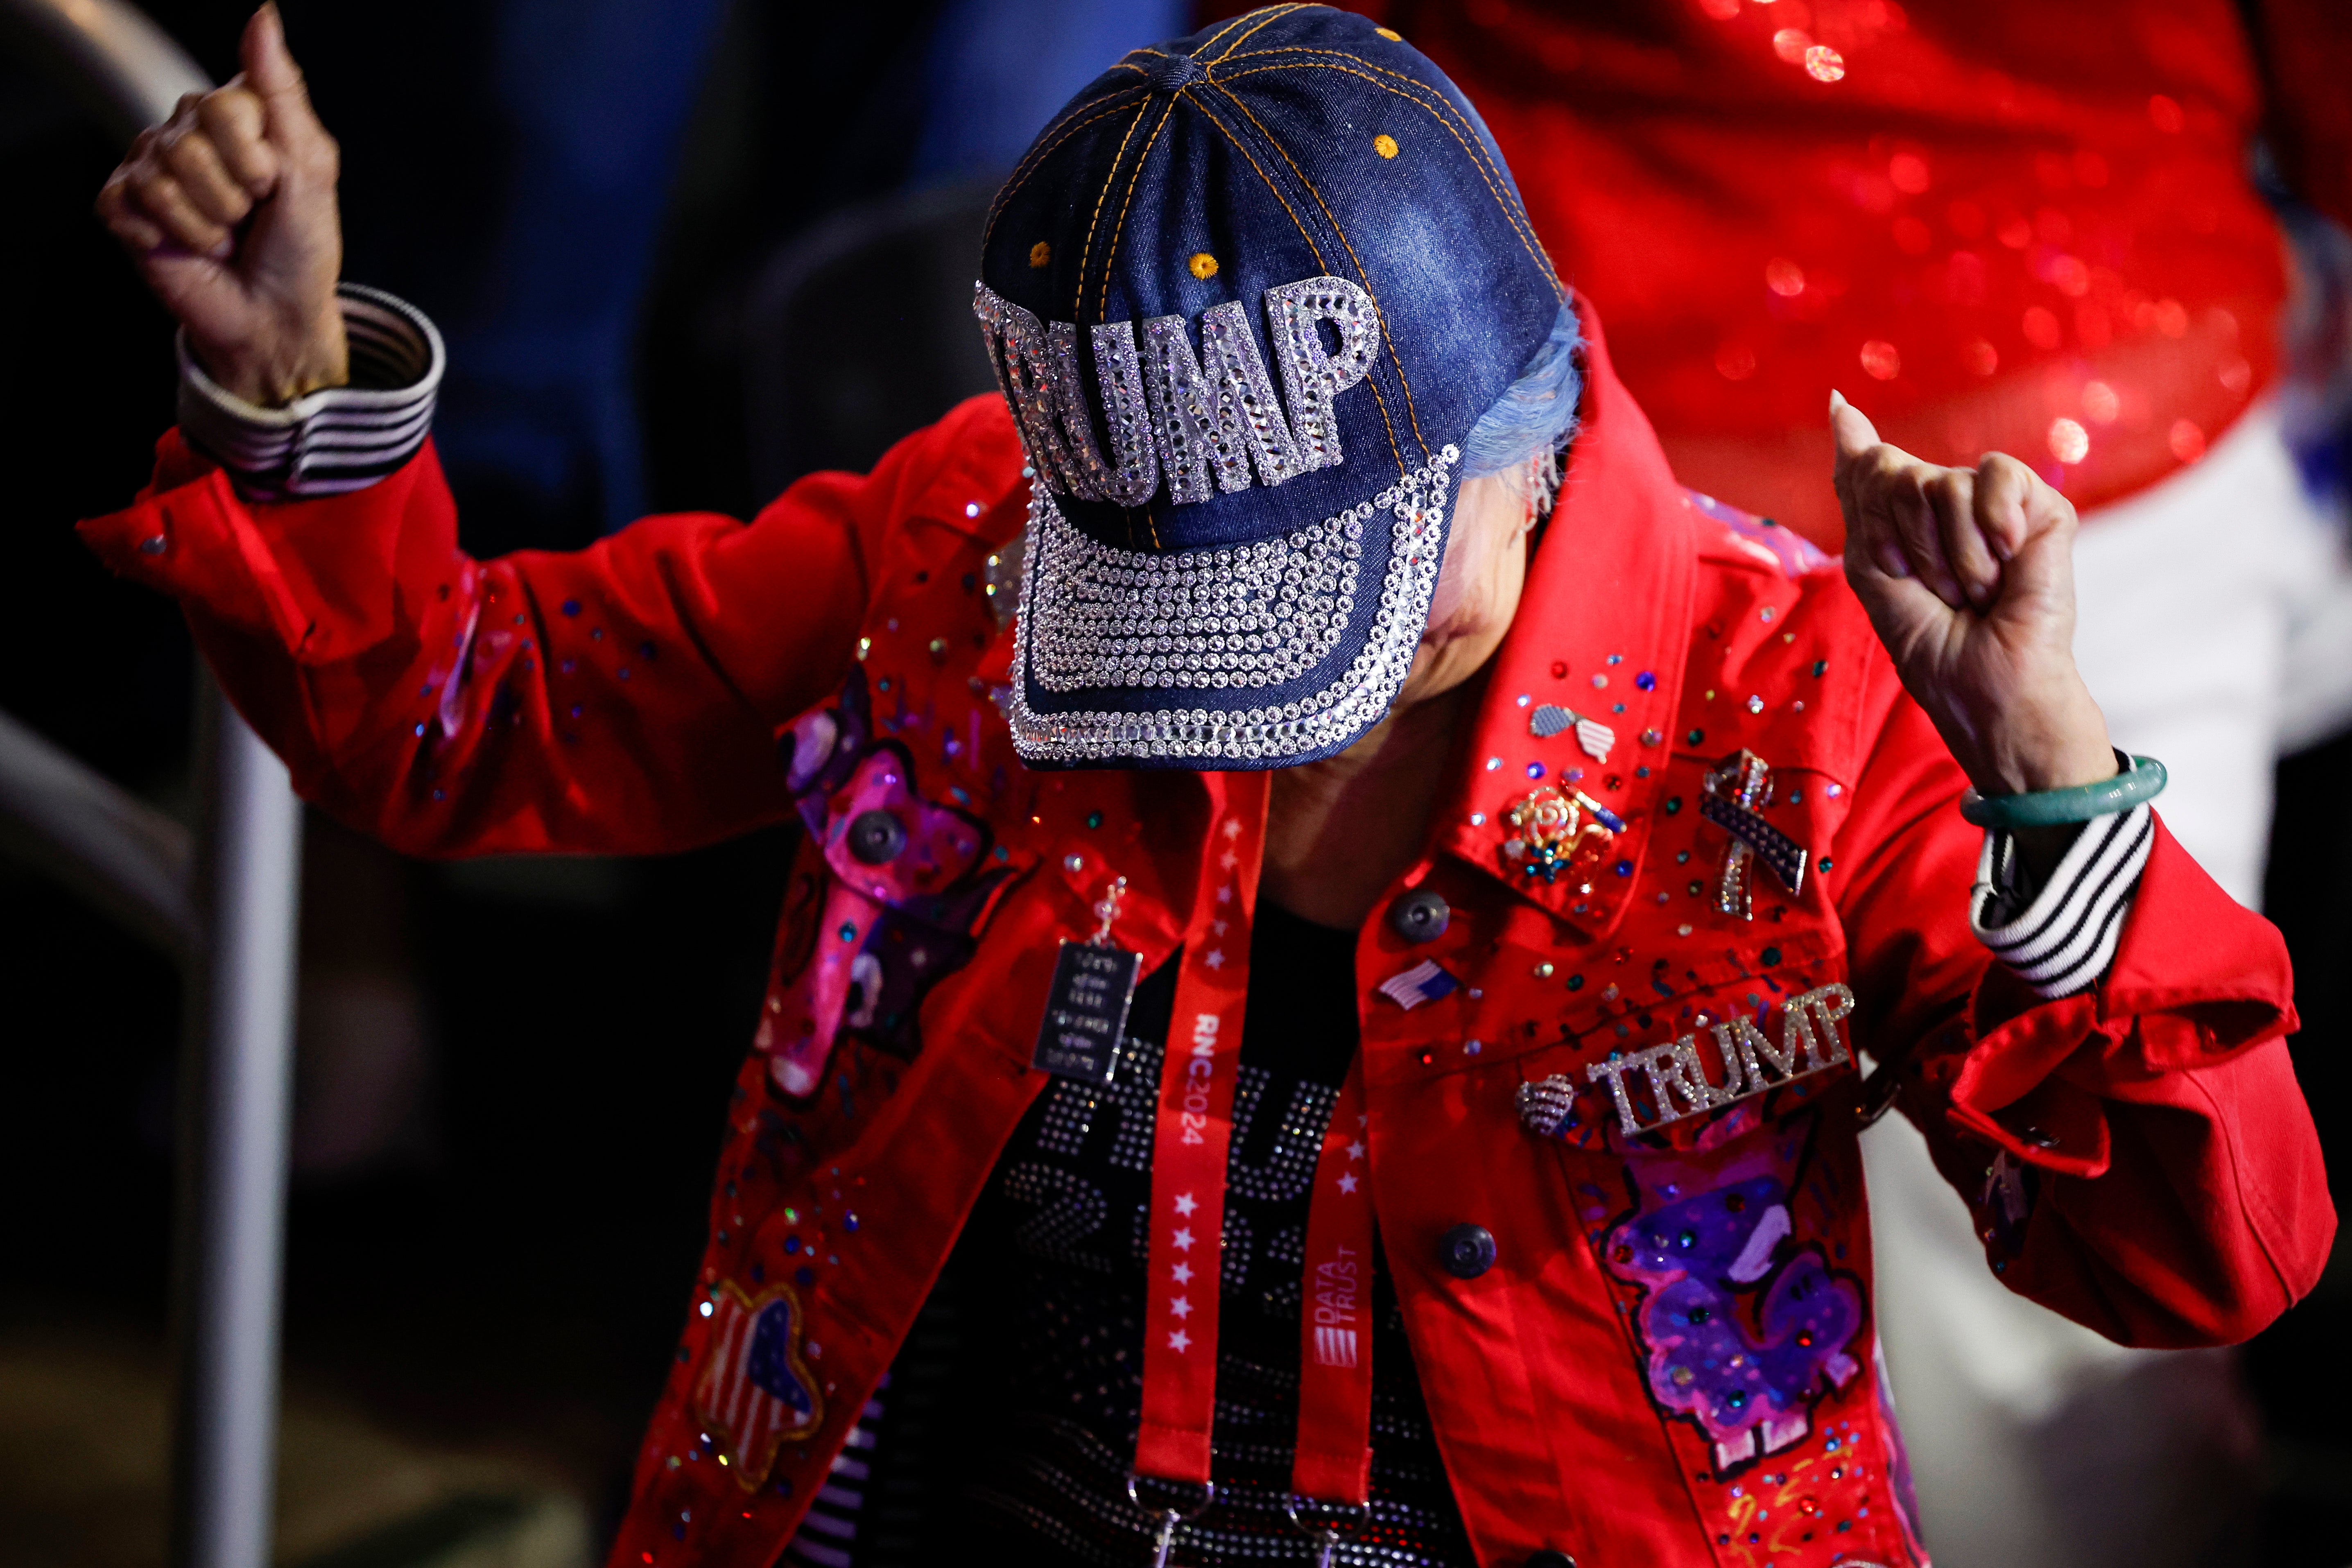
[(2061, 939), (339, 439)]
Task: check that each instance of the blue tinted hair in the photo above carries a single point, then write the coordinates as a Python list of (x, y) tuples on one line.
[(1535, 417)]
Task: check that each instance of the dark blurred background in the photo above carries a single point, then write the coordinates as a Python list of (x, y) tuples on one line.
[(647, 231), (511, 1074)]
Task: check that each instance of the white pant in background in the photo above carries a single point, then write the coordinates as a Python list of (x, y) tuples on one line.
[(2215, 631)]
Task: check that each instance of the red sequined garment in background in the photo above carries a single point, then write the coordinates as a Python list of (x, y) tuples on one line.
[(2028, 227)]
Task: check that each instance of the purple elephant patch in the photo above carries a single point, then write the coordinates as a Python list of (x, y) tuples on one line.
[(1745, 1329)]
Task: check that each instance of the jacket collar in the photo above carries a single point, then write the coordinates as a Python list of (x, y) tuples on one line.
[(1602, 629)]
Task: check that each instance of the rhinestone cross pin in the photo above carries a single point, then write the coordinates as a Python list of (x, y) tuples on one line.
[(1731, 796)]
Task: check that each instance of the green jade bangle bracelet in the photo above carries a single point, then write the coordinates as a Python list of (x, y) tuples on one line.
[(2142, 779)]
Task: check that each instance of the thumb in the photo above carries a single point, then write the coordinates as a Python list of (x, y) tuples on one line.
[(1851, 428), (272, 73)]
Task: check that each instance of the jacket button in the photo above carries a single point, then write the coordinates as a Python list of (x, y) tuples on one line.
[(876, 837), (1551, 1559), (1420, 916), (1467, 1251)]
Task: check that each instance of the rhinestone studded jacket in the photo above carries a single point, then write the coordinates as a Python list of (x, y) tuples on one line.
[(1670, 1359)]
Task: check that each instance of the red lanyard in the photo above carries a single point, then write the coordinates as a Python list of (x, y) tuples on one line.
[(1334, 1461), (1191, 1143)]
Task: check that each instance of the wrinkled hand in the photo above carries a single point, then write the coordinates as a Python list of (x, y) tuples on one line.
[(228, 209), (1968, 578)]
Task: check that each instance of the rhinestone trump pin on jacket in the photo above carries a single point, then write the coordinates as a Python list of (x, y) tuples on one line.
[(1641, 1074)]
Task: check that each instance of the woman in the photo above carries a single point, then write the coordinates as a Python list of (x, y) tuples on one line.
[(1376, 996)]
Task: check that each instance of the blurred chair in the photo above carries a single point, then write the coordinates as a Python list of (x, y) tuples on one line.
[(861, 329)]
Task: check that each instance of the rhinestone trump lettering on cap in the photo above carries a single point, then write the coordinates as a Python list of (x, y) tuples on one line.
[(1017, 352), (1215, 413), (1203, 421), (1312, 376), (1118, 370)]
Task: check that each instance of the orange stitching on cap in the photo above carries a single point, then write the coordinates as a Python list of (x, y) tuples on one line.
[(1443, 106), (1111, 178), (1229, 27), (1448, 114), (1272, 14), (1047, 140), (1517, 219), (1410, 414), (1394, 450), (1021, 173), (1102, 299), (1204, 112)]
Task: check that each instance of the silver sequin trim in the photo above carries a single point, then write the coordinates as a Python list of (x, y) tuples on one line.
[(1253, 615), (1065, 641)]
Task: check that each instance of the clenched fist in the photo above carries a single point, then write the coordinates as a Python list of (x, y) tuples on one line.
[(228, 209), (1968, 577)]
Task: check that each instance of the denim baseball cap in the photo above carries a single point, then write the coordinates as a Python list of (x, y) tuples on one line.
[(1247, 297)]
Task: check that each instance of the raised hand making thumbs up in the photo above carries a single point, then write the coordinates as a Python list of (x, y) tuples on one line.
[(1968, 577), (228, 209)]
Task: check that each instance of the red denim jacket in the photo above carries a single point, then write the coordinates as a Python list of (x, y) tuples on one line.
[(1671, 1360)]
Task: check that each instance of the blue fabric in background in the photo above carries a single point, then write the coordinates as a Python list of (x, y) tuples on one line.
[(998, 69), (541, 400), (595, 95)]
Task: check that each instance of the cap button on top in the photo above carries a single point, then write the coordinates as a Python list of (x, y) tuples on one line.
[(1173, 73), (876, 837), (1467, 1251), (1420, 916)]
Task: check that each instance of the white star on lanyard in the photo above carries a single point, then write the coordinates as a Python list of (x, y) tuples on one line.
[(1356, 1149), (1232, 828), (1214, 959), (1230, 860), (1186, 1202), (1179, 1340), (1225, 894), (1181, 1273), (1183, 1239), (1219, 928), (1181, 1306), (1348, 1183)]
